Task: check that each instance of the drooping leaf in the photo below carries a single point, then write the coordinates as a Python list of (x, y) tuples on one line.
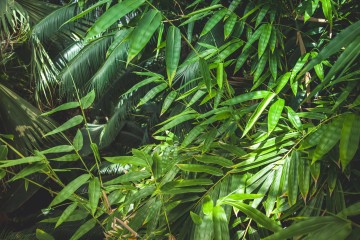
[(65, 106), (94, 194), (173, 50)]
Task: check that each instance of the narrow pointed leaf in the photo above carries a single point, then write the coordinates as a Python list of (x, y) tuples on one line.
[(83, 229), (94, 194), (201, 168), (88, 100), (78, 141), (173, 50), (69, 124), (349, 141), (66, 214), (210, 24), (275, 114), (152, 93), (65, 106), (221, 229)]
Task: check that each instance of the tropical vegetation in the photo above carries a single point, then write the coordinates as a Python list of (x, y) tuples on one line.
[(185, 119)]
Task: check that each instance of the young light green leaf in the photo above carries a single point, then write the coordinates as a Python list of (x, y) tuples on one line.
[(210, 24), (68, 124), (349, 141), (88, 99), (42, 235), (143, 32), (221, 228), (259, 110), (200, 168), (111, 16), (69, 189), (208, 205), (65, 106), (215, 160), (196, 218), (78, 141), (220, 74), (172, 53), (275, 114), (94, 194), (83, 229), (66, 214)]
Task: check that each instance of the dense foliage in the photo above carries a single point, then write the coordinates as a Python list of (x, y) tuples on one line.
[(181, 119)]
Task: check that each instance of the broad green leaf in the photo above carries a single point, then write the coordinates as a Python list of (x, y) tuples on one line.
[(127, 160), (196, 97), (129, 177), (66, 214), (68, 124), (143, 32), (329, 138), (168, 101), (206, 229), (215, 160), (69, 189), (94, 194), (200, 168), (78, 141), (282, 82), (274, 114), (210, 24), (221, 229), (292, 188), (349, 141), (196, 218), (65, 106), (110, 16), (229, 25), (42, 235), (33, 168), (220, 75), (256, 215), (234, 4), (264, 39), (259, 110), (313, 138), (152, 93), (83, 229), (88, 100), (246, 97), (173, 50), (15, 162), (262, 14), (208, 205), (294, 118), (58, 149)]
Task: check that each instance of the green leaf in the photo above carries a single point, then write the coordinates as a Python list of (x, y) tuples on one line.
[(304, 177), (78, 141), (110, 16), (221, 229), (294, 118), (168, 101), (196, 218), (264, 39), (259, 110), (234, 4), (66, 214), (282, 82), (256, 215), (83, 229), (143, 32), (210, 24), (298, 66), (206, 229), (153, 79), (215, 160), (192, 135), (152, 93), (220, 75), (42, 235), (94, 194), (65, 106), (33, 168), (229, 25), (261, 66), (176, 122), (2, 173), (292, 188), (261, 15), (200, 168), (246, 97), (3, 152), (88, 100), (238, 197), (58, 149), (68, 124), (69, 189), (172, 53), (349, 141), (127, 160), (129, 177), (208, 205), (15, 162), (66, 158), (274, 114), (204, 69), (329, 138)]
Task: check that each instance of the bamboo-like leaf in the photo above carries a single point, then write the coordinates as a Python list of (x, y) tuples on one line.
[(262, 14), (78, 141), (259, 110), (256, 215), (168, 101), (329, 138), (261, 66), (196, 97), (273, 65), (349, 141), (173, 50), (208, 205), (200, 168), (176, 122), (83, 229), (264, 39), (66, 214), (206, 229), (66, 158), (58, 149), (304, 177), (153, 79), (229, 25), (143, 32), (33, 168), (210, 24), (220, 75), (15, 162), (246, 97), (282, 82), (292, 188), (294, 118), (127, 160), (68, 124), (275, 114), (234, 4), (111, 16), (69, 189), (192, 135), (62, 107), (42, 235), (298, 66), (88, 100), (152, 93), (221, 229), (204, 69), (129, 177), (94, 194), (196, 218), (215, 160)]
